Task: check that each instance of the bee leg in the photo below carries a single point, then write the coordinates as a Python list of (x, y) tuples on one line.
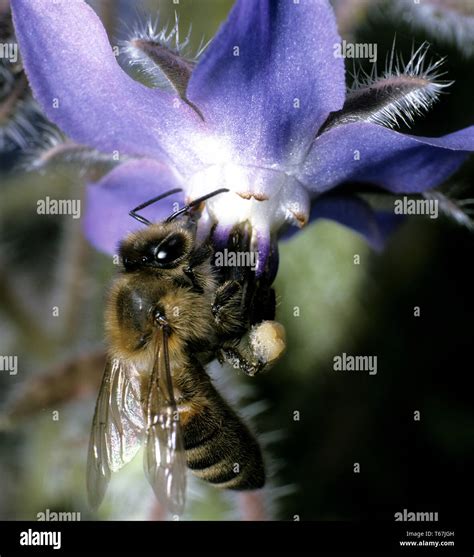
[(227, 309), (197, 257), (257, 350), (233, 357), (188, 271), (200, 254)]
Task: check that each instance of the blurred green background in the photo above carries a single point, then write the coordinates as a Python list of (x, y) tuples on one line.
[(328, 305)]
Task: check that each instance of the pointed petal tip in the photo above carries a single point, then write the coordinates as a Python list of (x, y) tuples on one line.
[(80, 86), (284, 54)]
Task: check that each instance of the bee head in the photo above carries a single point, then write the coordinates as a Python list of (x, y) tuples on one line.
[(158, 247)]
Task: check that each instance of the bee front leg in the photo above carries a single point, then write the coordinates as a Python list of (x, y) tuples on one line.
[(188, 271), (197, 257)]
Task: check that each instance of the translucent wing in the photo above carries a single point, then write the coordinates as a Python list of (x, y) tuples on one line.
[(164, 458), (117, 427)]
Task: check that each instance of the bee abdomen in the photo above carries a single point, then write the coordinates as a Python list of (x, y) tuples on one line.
[(220, 448)]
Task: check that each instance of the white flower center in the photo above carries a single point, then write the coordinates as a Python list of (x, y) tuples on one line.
[(263, 197)]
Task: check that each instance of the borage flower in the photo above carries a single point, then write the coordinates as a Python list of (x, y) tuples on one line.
[(264, 113)]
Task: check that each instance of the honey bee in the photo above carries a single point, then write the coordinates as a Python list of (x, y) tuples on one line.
[(170, 313)]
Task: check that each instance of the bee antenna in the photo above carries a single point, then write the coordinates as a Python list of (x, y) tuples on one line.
[(143, 220), (197, 201)]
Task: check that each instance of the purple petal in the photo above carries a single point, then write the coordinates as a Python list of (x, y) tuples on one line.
[(354, 213), (221, 235), (263, 246), (273, 97), (81, 88), (108, 202), (365, 152)]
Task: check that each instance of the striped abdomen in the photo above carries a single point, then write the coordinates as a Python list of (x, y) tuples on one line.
[(219, 447)]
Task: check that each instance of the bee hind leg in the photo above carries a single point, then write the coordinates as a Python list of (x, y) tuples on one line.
[(233, 357), (258, 350)]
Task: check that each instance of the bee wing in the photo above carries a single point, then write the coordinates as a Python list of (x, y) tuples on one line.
[(117, 427), (164, 458)]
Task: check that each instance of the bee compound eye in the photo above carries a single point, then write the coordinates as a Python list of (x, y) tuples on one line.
[(170, 250)]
